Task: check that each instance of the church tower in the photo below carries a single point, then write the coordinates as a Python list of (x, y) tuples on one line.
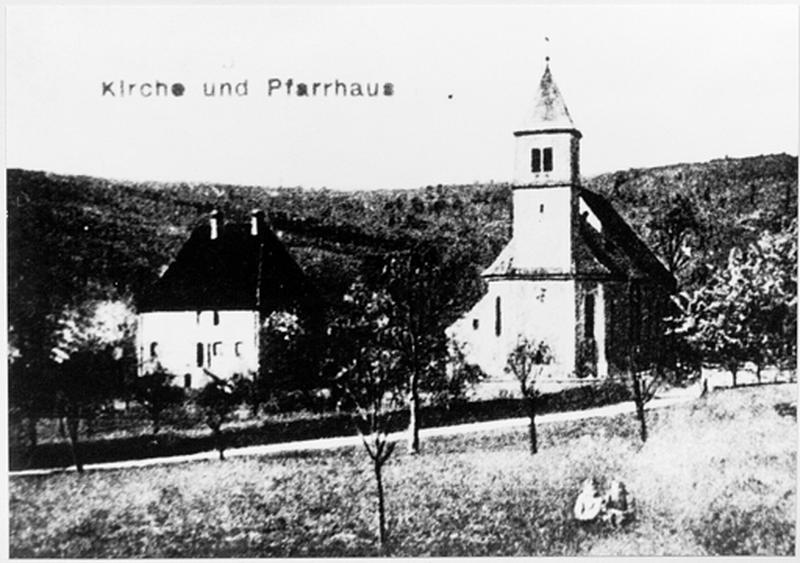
[(574, 276), (545, 183)]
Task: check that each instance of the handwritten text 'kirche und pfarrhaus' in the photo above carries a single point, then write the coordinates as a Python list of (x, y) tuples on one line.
[(273, 87)]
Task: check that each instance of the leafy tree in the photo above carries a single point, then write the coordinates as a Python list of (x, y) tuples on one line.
[(91, 360), (284, 359), (747, 312), (371, 377), (430, 284), (217, 401), (527, 361), (156, 393), (673, 227)]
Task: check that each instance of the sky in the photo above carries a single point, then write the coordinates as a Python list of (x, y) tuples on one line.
[(646, 85)]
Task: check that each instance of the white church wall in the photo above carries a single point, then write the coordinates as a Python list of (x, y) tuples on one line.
[(189, 342), (537, 310)]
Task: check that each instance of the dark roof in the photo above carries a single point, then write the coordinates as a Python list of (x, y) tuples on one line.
[(236, 271), (615, 248)]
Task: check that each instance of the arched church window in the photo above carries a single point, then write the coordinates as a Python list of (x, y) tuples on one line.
[(216, 318), (498, 321), (153, 349), (475, 324), (200, 354)]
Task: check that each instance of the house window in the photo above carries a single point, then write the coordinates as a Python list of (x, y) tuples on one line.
[(497, 320), (536, 160), (153, 349), (216, 349), (548, 159), (187, 380), (216, 318), (588, 316), (475, 324), (200, 354), (237, 349)]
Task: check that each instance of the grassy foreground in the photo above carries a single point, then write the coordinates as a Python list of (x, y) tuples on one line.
[(717, 477)]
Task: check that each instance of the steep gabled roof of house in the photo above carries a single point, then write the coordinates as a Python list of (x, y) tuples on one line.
[(235, 271)]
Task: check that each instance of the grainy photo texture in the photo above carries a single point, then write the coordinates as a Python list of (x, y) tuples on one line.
[(401, 281)]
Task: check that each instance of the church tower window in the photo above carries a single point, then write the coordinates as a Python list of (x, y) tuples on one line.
[(548, 159), (536, 160)]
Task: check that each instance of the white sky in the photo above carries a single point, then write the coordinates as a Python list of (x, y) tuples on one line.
[(647, 85)]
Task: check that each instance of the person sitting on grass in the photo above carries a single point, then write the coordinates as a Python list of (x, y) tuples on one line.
[(618, 504), (589, 503)]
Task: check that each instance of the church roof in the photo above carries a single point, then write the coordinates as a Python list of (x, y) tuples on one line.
[(549, 110), (235, 271), (612, 252)]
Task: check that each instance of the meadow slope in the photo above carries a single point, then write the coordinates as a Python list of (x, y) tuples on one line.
[(718, 476)]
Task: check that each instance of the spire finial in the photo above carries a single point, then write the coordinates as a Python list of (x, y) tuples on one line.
[(547, 50)]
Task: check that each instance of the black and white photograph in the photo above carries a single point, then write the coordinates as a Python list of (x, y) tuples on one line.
[(400, 280)]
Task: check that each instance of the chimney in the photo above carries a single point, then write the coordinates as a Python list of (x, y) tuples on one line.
[(216, 224), (256, 222)]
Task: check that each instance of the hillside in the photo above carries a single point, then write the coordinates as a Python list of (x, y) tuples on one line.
[(75, 237)]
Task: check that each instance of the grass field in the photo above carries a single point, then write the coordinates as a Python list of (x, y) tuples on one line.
[(716, 477)]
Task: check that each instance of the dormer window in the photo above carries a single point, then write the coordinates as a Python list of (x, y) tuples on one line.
[(542, 160)]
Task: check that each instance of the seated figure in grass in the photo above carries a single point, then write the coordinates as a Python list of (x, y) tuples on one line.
[(618, 504), (614, 507), (590, 502)]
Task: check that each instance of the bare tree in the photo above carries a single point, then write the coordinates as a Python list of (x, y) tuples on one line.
[(371, 377), (527, 362)]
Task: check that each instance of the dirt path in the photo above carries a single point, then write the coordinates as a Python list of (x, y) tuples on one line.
[(665, 400)]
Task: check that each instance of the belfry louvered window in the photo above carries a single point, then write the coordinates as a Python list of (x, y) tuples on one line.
[(542, 160), (536, 160), (547, 165)]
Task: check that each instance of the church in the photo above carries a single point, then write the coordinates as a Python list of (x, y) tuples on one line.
[(574, 275)]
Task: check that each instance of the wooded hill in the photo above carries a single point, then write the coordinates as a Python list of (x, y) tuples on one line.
[(72, 238)]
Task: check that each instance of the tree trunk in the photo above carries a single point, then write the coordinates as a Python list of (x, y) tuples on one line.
[(734, 373), (413, 415), (218, 438), (758, 372), (638, 399), (378, 465), (33, 437), (72, 426), (156, 416), (532, 428)]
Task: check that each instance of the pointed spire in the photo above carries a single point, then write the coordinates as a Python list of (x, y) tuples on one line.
[(549, 111)]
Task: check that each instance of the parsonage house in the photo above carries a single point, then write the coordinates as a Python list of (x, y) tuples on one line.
[(203, 316), (574, 275)]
